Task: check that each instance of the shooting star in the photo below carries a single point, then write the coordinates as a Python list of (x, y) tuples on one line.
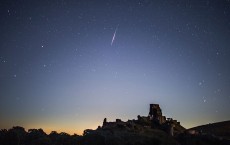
[(114, 35)]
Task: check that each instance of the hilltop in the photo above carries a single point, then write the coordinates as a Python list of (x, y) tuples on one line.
[(218, 129), (147, 130)]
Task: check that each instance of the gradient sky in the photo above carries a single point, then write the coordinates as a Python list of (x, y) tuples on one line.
[(59, 71)]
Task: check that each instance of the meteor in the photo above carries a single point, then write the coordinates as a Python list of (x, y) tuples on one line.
[(114, 35)]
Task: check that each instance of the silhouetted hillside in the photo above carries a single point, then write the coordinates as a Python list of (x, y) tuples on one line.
[(219, 129), (125, 136)]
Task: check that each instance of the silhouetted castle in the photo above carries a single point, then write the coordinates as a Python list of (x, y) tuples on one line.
[(154, 120)]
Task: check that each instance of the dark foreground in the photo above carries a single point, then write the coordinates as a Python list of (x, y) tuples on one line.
[(119, 136)]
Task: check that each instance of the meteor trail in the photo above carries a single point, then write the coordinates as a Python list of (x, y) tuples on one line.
[(114, 35)]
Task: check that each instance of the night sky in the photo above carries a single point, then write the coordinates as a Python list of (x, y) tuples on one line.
[(65, 65)]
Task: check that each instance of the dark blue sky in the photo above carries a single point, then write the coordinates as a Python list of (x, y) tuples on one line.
[(59, 71)]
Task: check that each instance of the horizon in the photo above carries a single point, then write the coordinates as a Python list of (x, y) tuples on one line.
[(48, 131), (81, 133), (67, 65)]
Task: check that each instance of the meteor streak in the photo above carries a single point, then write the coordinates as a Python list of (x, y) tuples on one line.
[(114, 35)]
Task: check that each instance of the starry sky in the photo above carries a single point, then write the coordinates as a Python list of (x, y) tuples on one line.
[(65, 65)]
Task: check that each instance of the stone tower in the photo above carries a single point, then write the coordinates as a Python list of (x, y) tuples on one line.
[(155, 114)]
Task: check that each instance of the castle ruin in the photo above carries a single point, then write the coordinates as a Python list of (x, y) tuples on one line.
[(154, 120)]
